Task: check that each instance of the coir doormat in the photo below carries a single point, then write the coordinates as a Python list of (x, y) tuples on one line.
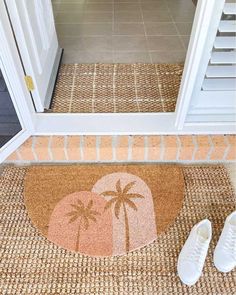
[(103, 210)]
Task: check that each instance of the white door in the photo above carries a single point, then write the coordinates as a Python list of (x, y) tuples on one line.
[(13, 130), (34, 29), (207, 93), (16, 109)]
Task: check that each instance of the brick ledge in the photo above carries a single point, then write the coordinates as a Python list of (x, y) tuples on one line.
[(193, 148)]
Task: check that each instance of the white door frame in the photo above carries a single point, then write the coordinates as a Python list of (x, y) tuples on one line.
[(206, 17), (40, 51), (144, 123), (14, 77)]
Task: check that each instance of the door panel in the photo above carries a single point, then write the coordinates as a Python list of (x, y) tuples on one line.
[(9, 122), (16, 109), (12, 128), (33, 25)]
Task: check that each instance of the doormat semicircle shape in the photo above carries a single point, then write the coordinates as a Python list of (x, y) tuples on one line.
[(103, 210)]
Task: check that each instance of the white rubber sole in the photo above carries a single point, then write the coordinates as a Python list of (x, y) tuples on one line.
[(189, 283), (223, 270)]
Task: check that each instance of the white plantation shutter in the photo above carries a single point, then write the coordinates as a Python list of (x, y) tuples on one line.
[(216, 97), (221, 75)]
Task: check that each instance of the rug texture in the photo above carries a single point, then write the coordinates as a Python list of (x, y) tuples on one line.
[(117, 88), (103, 210), (30, 264)]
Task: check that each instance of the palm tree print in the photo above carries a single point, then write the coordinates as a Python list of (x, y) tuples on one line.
[(122, 198), (84, 215)]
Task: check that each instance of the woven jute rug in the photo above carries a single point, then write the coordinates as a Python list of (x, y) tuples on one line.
[(30, 264), (103, 210), (117, 88)]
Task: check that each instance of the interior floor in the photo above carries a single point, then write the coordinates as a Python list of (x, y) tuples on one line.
[(123, 31), (117, 88)]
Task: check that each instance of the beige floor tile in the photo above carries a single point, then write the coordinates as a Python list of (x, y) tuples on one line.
[(127, 16), (153, 5), (133, 1), (184, 28), (84, 29), (71, 1), (185, 40), (99, 7), (160, 28), (126, 6), (129, 29), (182, 15), (156, 16), (76, 56), (69, 18), (69, 7), (103, 43), (162, 43), (129, 43), (126, 56), (168, 56)]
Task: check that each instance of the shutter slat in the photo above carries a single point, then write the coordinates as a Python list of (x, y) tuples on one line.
[(223, 57), (219, 84), (221, 71), (225, 42), (227, 26), (217, 93), (229, 8)]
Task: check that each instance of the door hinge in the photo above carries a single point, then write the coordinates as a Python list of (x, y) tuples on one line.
[(29, 83)]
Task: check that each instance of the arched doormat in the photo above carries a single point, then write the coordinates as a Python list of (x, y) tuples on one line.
[(103, 210)]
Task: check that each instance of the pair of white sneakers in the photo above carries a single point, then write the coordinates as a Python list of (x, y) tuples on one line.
[(193, 254)]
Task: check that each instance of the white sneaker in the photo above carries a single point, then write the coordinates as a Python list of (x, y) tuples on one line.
[(192, 256), (225, 251)]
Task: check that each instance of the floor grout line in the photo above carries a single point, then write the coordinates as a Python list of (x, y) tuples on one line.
[(174, 23), (93, 55)]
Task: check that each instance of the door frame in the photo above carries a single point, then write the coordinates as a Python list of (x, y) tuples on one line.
[(138, 123), (31, 57), (156, 123), (13, 74)]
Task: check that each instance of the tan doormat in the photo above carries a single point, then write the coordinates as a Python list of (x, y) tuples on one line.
[(103, 210), (30, 264), (117, 88)]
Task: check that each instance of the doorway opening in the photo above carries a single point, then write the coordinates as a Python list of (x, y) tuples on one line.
[(9, 122), (121, 56)]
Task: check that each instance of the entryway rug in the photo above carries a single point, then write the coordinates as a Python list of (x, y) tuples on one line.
[(30, 264), (103, 210), (117, 88)]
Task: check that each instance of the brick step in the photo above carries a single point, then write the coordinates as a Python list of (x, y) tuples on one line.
[(196, 148)]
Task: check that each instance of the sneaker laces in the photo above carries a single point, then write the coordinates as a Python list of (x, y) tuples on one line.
[(230, 242), (196, 253)]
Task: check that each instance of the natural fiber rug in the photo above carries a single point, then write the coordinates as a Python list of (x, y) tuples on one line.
[(103, 210), (30, 264), (117, 88)]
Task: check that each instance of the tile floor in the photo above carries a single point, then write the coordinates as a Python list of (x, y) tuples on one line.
[(123, 31)]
